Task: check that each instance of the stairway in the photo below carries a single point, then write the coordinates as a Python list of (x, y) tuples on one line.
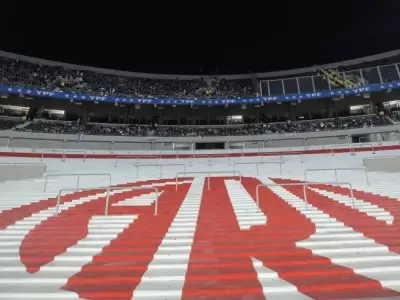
[(203, 244), (48, 256), (363, 238)]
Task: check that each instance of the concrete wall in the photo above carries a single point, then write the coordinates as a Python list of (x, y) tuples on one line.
[(14, 139), (388, 164), (21, 171)]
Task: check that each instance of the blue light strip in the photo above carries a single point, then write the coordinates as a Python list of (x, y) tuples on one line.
[(200, 101)]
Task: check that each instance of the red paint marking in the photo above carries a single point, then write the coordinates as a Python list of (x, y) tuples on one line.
[(360, 221), (216, 219), (281, 216), (220, 264), (131, 260), (177, 156), (9, 217), (391, 205), (79, 216)]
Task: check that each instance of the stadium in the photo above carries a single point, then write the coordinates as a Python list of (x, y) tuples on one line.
[(124, 185)]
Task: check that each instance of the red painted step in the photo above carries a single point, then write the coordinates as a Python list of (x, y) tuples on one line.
[(9, 217), (216, 213), (169, 203), (348, 286), (80, 216), (391, 205), (360, 221)]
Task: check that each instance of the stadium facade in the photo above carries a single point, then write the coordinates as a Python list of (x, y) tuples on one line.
[(222, 105)]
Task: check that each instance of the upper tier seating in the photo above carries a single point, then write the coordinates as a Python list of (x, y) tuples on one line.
[(231, 130), (17, 72), (7, 123)]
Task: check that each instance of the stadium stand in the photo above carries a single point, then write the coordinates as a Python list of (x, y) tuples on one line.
[(9, 123), (212, 242), (46, 126), (18, 72), (139, 218)]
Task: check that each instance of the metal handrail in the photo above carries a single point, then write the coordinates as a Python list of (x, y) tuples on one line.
[(274, 162), (349, 146), (209, 156), (66, 152), (209, 161), (126, 157), (299, 153), (108, 189), (305, 185), (51, 151), (208, 173), (336, 172), (157, 165), (367, 143), (150, 156), (257, 163), (137, 157), (247, 163), (78, 175)]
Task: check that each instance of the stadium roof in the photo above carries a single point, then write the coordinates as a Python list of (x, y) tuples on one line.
[(201, 38)]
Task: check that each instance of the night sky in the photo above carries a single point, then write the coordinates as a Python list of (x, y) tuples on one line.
[(200, 37)]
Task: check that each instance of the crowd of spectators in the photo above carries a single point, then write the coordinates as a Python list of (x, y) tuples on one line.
[(226, 130), (8, 123), (395, 116), (56, 78)]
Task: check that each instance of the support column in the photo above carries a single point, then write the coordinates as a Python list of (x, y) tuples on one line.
[(292, 110), (84, 112), (372, 106), (380, 107), (330, 106)]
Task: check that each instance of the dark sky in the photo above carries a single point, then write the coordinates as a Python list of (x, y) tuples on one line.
[(195, 37)]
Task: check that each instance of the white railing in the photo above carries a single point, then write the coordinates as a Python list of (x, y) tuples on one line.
[(125, 157), (78, 176), (305, 185), (212, 155), (158, 166), (67, 152), (298, 153), (108, 189), (8, 142), (53, 151), (208, 177), (274, 163), (257, 164), (345, 146), (136, 158), (208, 156), (150, 156), (247, 163), (368, 144), (336, 172)]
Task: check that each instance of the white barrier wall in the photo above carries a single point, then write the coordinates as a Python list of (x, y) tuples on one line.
[(346, 147), (388, 164), (20, 171), (16, 139)]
